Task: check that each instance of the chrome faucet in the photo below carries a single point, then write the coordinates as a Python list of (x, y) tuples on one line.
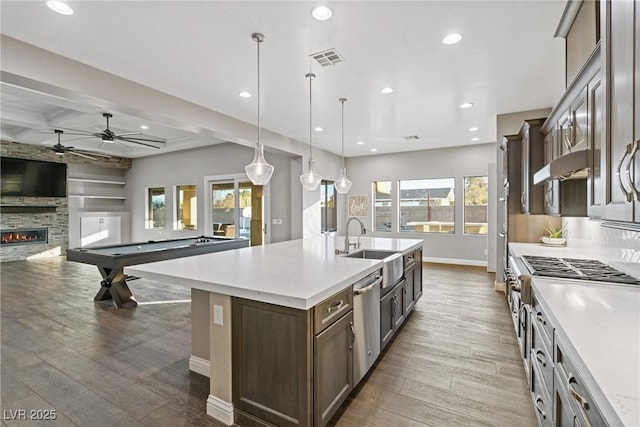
[(363, 230)]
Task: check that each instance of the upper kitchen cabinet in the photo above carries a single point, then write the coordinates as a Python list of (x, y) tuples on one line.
[(621, 49), (580, 27), (532, 145)]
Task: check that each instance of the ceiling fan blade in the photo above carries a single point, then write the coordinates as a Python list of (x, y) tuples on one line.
[(82, 132), (136, 141), (126, 146), (132, 139), (129, 133), (92, 153), (82, 155)]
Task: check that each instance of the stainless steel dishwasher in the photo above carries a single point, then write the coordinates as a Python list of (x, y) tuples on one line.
[(366, 322)]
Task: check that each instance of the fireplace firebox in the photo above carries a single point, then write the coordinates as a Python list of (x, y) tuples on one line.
[(23, 236)]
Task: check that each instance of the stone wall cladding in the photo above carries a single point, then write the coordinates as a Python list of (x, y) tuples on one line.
[(57, 222)]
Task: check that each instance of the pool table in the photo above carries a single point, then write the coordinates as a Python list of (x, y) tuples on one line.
[(112, 259)]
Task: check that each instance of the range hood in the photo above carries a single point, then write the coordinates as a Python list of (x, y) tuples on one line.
[(573, 165)]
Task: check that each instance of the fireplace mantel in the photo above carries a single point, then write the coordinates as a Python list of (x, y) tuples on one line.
[(27, 209)]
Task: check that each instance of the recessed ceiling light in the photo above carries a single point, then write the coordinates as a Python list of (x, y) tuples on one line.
[(466, 105), (473, 129), (244, 94), (321, 13), (318, 129), (60, 7), (145, 127), (386, 90), (360, 142), (374, 150), (452, 38), (475, 139)]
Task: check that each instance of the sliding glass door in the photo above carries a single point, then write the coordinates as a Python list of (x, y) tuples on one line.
[(237, 209)]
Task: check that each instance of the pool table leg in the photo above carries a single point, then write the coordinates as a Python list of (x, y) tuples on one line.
[(114, 286)]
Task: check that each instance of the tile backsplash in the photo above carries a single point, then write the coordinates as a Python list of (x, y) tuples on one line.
[(618, 248)]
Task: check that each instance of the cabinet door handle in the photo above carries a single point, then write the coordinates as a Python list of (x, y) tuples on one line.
[(541, 357), (632, 156), (628, 195), (522, 198), (540, 407), (337, 306), (353, 335)]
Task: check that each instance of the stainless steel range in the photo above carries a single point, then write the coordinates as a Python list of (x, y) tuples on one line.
[(581, 269)]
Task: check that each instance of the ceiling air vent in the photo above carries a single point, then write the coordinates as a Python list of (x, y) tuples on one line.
[(328, 57), (411, 138)]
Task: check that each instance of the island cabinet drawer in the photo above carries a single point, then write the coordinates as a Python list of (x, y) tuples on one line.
[(542, 357), (409, 260), (542, 320), (542, 403), (332, 309), (586, 410)]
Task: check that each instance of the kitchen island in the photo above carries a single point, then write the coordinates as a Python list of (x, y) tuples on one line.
[(276, 287)]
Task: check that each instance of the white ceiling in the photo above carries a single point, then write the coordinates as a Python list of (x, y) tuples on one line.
[(202, 52)]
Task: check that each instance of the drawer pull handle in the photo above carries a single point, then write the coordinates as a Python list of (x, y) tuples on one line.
[(540, 407), (540, 318), (335, 307), (579, 398), (583, 404), (632, 154), (541, 357), (628, 194)]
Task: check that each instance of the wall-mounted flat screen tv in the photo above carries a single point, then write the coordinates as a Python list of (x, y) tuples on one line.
[(32, 178)]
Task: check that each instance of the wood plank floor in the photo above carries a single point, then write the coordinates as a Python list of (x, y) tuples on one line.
[(455, 362)]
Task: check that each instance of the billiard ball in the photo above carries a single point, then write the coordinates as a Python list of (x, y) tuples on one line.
[(139, 247)]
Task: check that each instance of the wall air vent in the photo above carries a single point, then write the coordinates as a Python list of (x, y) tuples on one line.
[(411, 138), (328, 57)]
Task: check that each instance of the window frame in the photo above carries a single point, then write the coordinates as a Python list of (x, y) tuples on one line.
[(324, 210), (392, 202), (399, 201), (464, 205), (149, 221)]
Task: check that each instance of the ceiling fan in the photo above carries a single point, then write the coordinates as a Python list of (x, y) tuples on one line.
[(108, 136), (61, 149)]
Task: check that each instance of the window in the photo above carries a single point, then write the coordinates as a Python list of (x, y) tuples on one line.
[(156, 212), (328, 212), (475, 204), (427, 205), (187, 207), (382, 205)]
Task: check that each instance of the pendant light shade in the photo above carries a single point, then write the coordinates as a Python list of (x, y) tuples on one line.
[(310, 180), (259, 171), (343, 185)]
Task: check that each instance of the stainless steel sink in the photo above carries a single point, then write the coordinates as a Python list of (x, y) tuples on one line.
[(392, 264), (370, 254)]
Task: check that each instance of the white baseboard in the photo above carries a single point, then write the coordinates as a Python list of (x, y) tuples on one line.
[(455, 261), (199, 366), (220, 410), (500, 287)]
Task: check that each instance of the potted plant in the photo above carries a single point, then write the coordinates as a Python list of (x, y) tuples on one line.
[(556, 237)]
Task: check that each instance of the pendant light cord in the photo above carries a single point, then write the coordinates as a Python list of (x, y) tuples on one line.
[(310, 76), (342, 101), (258, 41)]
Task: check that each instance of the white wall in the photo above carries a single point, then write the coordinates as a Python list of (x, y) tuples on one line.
[(190, 167), (456, 162)]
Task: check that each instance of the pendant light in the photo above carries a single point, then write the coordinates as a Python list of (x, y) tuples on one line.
[(310, 180), (342, 185), (259, 171)]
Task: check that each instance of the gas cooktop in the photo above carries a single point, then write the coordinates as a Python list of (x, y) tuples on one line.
[(581, 269)]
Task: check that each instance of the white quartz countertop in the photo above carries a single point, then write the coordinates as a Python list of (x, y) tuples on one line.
[(600, 324), (296, 273)]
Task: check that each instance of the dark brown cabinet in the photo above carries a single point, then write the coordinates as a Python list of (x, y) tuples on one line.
[(291, 367), (332, 368), (532, 196), (409, 274), (392, 313), (417, 275), (621, 47)]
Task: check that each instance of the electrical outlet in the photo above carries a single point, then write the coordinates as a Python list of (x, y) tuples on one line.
[(217, 315), (276, 221)]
